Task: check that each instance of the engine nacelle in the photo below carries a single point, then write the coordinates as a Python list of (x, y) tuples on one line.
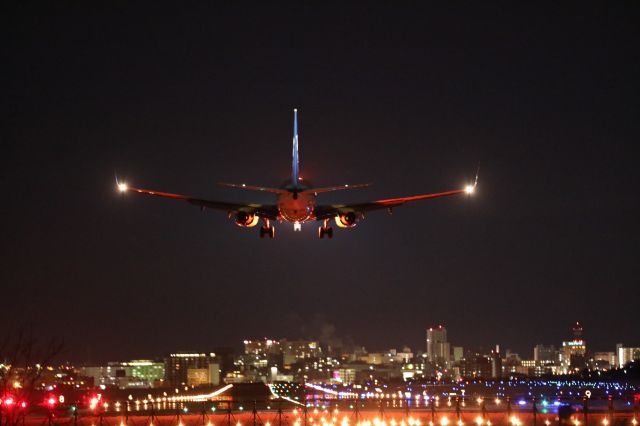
[(246, 220), (346, 220)]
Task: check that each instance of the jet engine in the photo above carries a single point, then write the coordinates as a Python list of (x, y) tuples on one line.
[(346, 220), (246, 220)]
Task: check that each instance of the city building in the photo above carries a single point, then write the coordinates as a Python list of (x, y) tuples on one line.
[(124, 375), (602, 361), (458, 353), (296, 350), (420, 370), (573, 355), (177, 366), (475, 366), (546, 359), (545, 354), (393, 356), (150, 371), (496, 363), (625, 355), (346, 376), (512, 363), (438, 348)]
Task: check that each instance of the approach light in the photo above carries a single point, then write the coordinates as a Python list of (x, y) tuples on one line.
[(93, 402)]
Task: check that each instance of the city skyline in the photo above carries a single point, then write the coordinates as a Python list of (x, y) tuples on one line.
[(440, 350), (285, 360)]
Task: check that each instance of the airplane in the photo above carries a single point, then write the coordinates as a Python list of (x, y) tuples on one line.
[(296, 202)]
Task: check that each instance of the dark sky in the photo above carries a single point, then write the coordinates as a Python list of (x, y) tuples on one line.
[(545, 97)]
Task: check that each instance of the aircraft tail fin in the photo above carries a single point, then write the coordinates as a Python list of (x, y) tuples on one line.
[(295, 173)]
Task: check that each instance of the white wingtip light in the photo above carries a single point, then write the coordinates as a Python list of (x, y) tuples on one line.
[(122, 187), (469, 189)]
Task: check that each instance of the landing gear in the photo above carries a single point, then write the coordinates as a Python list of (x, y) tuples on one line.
[(325, 230), (267, 229), (270, 231)]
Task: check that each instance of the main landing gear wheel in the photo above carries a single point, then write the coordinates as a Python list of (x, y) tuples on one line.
[(322, 231), (270, 231)]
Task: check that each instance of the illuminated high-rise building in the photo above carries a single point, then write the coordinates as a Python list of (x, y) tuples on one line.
[(496, 363), (625, 355), (574, 352), (438, 348), (543, 354), (177, 367)]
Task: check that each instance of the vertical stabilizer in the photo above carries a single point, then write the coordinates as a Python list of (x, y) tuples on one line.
[(294, 168)]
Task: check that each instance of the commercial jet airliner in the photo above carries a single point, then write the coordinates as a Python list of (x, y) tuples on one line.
[(296, 202)]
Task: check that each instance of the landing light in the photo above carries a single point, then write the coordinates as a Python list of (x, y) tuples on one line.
[(122, 187), (469, 189)]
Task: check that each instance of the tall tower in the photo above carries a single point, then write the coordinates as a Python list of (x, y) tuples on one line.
[(438, 349), (577, 331), (574, 352)]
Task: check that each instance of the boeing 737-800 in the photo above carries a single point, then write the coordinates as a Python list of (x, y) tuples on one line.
[(296, 202)]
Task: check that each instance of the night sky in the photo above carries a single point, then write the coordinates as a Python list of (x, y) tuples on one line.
[(546, 98)]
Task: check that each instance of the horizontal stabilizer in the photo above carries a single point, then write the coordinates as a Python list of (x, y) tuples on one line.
[(336, 188), (253, 187)]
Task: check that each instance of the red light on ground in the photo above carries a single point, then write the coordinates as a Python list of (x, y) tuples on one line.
[(8, 401), (51, 401), (23, 404), (93, 402)]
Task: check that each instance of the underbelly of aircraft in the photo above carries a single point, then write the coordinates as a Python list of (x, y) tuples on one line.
[(296, 214)]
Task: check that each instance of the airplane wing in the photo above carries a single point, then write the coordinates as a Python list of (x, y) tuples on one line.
[(326, 212), (261, 210)]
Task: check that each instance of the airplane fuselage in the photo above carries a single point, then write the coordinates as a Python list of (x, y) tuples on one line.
[(296, 208)]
